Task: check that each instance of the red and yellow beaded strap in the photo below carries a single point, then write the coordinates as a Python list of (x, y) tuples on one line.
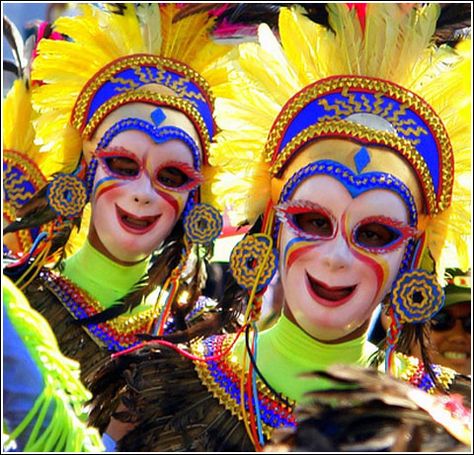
[(371, 85), (120, 331), (231, 372)]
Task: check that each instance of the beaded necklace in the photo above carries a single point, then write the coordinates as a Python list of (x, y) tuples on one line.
[(115, 335)]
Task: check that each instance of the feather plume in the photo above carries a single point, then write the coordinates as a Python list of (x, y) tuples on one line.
[(15, 40), (365, 411)]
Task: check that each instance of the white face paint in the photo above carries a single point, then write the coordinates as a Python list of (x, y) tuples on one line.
[(339, 254), (140, 191)]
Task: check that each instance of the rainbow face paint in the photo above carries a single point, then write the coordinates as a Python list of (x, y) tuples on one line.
[(140, 190), (340, 253)]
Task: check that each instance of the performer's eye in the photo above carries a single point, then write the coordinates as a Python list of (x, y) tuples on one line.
[(313, 223), (172, 177), (375, 235), (307, 219), (178, 176), (122, 166)]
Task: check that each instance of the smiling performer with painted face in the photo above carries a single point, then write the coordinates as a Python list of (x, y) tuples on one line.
[(126, 123), (341, 145)]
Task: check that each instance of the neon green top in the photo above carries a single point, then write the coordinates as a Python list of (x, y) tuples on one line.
[(103, 279), (285, 351)]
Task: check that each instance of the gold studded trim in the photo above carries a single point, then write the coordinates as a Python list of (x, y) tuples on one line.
[(144, 96), (79, 113), (123, 324), (388, 89), (218, 392), (363, 133)]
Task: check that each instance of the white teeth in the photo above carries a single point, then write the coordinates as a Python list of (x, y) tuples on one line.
[(455, 355), (133, 221)]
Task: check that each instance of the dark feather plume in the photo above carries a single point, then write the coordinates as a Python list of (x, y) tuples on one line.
[(365, 411), (15, 40)]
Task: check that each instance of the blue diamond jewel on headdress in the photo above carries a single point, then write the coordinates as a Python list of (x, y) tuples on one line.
[(158, 116), (361, 159)]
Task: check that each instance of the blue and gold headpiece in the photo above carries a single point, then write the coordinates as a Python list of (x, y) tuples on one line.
[(402, 105), (148, 79), (137, 56), (344, 107)]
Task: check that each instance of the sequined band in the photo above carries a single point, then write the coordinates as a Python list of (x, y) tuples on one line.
[(90, 176), (132, 72), (222, 379), (344, 129), (159, 135), (116, 335), (338, 97)]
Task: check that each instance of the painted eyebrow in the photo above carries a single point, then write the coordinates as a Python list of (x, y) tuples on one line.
[(292, 205)]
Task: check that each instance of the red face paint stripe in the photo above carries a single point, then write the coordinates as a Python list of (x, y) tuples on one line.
[(379, 269), (295, 249), (170, 200)]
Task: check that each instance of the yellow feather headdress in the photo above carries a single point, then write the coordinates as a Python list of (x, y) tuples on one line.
[(390, 58), (133, 46)]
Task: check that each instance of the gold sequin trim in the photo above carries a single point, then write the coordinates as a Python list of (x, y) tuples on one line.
[(123, 324), (218, 392), (79, 112), (403, 146), (409, 100), (162, 100)]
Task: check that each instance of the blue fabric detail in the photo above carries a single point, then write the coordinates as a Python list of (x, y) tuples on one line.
[(109, 443), (131, 79), (361, 159), (158, 116), (335, 106), (22, 382)]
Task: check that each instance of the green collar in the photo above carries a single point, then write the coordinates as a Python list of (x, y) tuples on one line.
[(285, 351), (102, 278)]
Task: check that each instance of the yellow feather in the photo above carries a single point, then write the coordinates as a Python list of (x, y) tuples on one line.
[(18, 132)]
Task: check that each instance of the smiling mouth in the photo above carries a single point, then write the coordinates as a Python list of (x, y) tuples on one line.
[(327, 295), (456, 355), (136, 224)]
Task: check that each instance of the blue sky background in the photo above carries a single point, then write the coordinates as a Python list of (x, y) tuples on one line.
[(21, 14)]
